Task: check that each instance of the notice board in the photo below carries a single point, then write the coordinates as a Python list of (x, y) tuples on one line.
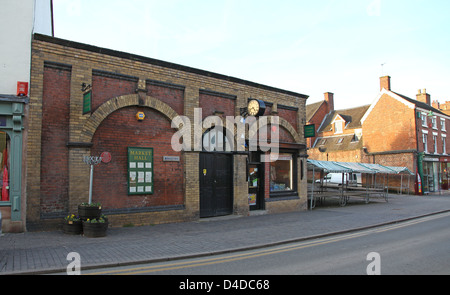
[(140, 171)]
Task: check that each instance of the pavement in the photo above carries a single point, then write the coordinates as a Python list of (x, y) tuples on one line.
[(46, 252)]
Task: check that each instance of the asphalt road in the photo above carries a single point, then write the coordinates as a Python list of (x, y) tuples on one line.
[(417, 247)]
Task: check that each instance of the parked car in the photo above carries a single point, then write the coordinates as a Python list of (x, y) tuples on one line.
[(353, 179)]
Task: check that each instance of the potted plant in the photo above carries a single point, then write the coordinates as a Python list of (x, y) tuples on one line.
[(89, 210), (96, 227), (72, 225)]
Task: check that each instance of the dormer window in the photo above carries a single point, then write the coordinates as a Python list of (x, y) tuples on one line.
[(339, 125)]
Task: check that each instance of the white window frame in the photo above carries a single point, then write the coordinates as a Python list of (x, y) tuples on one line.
[(434, 122), (423, 116), (425, 141), (443, 124), (444, 144), (435, 136), (339, 123)]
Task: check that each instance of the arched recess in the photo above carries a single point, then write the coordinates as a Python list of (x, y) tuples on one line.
[(116, 103), (114, 120), (286, 125)]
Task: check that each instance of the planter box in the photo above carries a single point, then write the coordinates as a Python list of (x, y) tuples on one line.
[(73, 227), (88, 212), (95, 230)]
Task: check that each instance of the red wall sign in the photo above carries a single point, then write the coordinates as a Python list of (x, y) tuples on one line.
[(106, 157)]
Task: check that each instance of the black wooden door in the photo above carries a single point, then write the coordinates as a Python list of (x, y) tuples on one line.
[(216, 187)]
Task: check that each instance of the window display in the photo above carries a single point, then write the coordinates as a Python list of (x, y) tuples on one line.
[(281, 174), (4, 165)]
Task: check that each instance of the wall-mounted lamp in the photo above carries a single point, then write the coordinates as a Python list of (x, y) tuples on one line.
[(85, 87)]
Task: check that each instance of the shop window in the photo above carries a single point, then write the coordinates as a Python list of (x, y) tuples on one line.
[(5, 149), (282, 174)]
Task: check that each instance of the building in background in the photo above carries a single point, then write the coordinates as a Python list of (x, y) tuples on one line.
[(394, 130), (402, 130)]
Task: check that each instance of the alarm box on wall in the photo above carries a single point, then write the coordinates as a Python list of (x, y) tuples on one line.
[(22, 88)]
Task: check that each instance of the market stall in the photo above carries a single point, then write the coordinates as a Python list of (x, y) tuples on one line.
[(321, 188)]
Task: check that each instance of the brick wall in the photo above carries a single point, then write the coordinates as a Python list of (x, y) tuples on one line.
[(212, 104), (389, 127), (173, 95), (289, 115), (55, 135), (121, 130), (105, 87)]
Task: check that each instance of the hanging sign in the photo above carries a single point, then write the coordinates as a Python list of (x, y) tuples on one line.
[(87, 99), (140, 171), (310, 130)]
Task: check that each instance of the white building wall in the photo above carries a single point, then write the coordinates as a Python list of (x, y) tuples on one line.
[(18, 21)]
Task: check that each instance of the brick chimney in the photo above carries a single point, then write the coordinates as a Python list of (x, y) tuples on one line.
[(435, 104), (423, 96), (385, 82), (329, 98)]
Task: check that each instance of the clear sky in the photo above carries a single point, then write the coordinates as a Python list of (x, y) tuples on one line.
[(309, 47)]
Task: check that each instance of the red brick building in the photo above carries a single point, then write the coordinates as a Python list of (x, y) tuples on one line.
[(128, 112), (394, 130), (411, 132), (316, 112)]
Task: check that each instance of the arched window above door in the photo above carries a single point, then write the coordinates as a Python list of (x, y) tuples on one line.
[(215, 140)]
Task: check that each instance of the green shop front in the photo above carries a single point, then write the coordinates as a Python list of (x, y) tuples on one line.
[(12, 113)]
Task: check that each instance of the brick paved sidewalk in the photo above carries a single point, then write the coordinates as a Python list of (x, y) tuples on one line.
[(38, 252)]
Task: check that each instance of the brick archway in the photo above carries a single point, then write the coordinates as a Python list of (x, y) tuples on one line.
[(117, 103)]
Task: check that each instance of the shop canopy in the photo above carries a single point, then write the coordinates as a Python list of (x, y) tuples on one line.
[(351, 167)]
